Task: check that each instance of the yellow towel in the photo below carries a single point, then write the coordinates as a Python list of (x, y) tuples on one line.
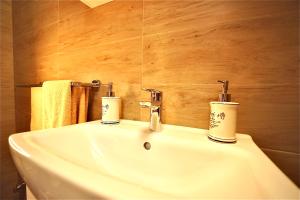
[(79, 108), (56, 111)]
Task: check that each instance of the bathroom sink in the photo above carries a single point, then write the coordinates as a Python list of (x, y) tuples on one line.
[(96, 161)]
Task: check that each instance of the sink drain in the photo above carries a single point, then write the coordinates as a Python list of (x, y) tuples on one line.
[(147, 145)]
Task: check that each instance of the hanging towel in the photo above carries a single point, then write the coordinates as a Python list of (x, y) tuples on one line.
[(56, 111), (79, 107), (36, 108)]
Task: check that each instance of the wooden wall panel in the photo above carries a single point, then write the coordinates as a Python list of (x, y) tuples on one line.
[(22, 106), (38, 48), (33, 15), (271, 119), (8, 173), (101, 25), (204, 58), (167, 15), (71, 7), (116, 62), (244, 49), (179, 47)]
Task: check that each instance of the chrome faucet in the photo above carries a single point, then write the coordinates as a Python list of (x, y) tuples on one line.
[(155, 108)]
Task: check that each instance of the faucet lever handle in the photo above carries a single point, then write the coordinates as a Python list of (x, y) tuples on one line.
[(151, 90), (155, 96)]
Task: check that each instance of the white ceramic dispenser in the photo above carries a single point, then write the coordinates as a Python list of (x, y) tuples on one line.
[(223, 117), (110, 107)]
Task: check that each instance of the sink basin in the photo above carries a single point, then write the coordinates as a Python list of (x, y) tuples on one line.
[(96, 161)]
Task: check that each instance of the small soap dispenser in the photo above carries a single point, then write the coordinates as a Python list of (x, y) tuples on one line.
[(223, 117), (110, 107)]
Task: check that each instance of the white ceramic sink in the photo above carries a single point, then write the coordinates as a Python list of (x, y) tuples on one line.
[(95, 161)]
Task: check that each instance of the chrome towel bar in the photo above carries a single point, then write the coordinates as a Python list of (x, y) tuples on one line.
[(94, 84)]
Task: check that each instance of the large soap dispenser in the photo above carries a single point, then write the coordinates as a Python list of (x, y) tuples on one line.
[(110, 107), (223, 117)]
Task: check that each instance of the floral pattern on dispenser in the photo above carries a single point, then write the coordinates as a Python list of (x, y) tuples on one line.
[(214, 122)]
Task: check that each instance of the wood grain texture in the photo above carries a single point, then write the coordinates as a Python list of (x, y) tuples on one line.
[(271, 119), (7, 115), (101, 25), (119, 62), (260, 48), (22, 106), (38, 42), (33, 14), (167, 15), (8, 173), (179, 47), (68, 8), (36, 55)]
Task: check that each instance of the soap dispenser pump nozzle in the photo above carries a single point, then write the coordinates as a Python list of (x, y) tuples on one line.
[(224, 96), (110, 92)]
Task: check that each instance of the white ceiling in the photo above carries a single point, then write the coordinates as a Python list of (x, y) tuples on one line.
[(94, 3)]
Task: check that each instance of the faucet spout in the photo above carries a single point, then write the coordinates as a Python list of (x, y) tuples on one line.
[(155, 118), (155, 109), (145, 104)]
